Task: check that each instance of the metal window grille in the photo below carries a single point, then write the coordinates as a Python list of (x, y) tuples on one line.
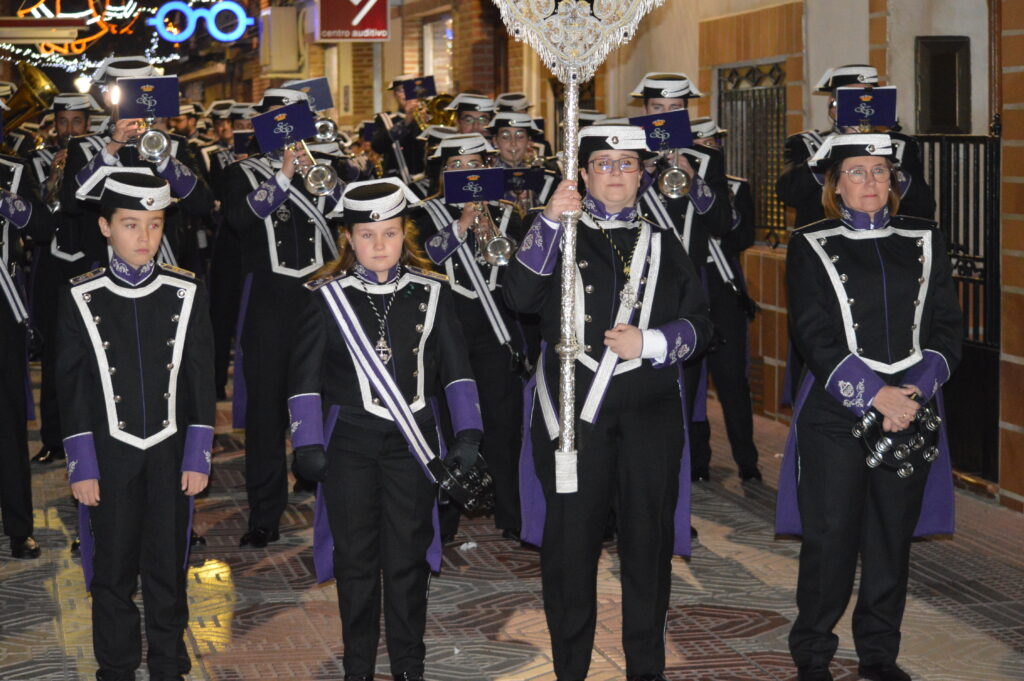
[(752, 107), (963, 171)]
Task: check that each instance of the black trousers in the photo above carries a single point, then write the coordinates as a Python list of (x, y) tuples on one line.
[(225, 297), (850, 511), (631, 463), (51, 275), (139, 528), (15, 476), (267, 339), (727, 365), (379, 503)]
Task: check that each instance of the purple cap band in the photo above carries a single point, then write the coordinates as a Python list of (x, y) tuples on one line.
[(81, 452), (198, 449), (464, 405), (307, 421)]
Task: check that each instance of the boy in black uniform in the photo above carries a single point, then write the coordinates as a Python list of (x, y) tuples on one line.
[(134, 360), (397, 142)]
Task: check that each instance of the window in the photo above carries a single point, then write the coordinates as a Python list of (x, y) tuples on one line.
[(943, 84), (437, 50)]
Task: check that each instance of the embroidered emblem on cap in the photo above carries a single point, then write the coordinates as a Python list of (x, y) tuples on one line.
[(375, 216), (615, 140), (150, 201), (870, 148)]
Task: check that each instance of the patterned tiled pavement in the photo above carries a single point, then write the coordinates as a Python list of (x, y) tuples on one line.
[(258, 614)]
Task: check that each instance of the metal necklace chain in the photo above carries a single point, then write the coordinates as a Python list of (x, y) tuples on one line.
[(626, 264), (382, 348)]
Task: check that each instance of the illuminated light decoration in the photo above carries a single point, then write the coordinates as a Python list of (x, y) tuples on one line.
[(101, 19), (192, 17)]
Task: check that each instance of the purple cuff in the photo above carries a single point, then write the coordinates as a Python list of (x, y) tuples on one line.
[(682, 342), (854, 384), (307, 419), (464, 405), (442, 245), (198, 449), (266, 197), (81, 452), (15, 208), (702, 196), (539, 250), (94, 164), (928, 375), (181, 179)]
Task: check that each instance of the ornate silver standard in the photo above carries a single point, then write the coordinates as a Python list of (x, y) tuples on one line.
[(572, 38)]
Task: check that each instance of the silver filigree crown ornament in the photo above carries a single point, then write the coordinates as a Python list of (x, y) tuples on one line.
[(576, 36)]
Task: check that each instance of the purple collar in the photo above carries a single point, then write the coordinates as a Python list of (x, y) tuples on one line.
[(597, 209), (128, 274), (370, 277), (863, 221)]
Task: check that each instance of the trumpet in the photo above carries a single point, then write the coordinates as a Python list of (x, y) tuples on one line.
[(154, 145), (55, 180), (673, 182), (492, 247), (326, 131), (320, 179)]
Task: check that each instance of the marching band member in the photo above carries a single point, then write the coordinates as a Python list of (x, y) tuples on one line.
[(379, 339), (641, 310), (800, 188), (874, 312), (473, 113), (731, 312), (285, 236), (453, 237), (57, 260), (21, 215), (86, 155), (696, 215), (134, 358), (511, 134), (219, 153), (395, 141)]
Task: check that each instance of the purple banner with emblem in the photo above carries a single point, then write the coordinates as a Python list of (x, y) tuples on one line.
[(318, 90), (866, 106), (155, 97), (278, 128), (522, 179), (667, 130), (464, 186), (419, 88)]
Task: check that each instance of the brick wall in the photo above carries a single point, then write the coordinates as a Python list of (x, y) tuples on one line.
[(878, 37), (362, 81), (1011, 417), (773, 32)]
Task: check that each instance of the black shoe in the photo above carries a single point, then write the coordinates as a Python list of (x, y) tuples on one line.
[(700, 476), (408, 676), (358, 677), (751, 473), (76, 544), (693, 532), (885, 671), (646, 677), (511, 534), (259, 537), (196, 539), (49, 455), (813, 672), (24, 547)]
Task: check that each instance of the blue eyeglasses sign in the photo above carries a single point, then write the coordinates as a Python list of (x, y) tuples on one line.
[(193, 15)]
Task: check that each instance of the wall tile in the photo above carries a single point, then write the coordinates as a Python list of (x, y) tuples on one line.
[(1013, 334), (1011, 460)]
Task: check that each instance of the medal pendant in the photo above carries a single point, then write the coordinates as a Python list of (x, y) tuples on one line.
[(628, 296), (383, 350), (626, 270)]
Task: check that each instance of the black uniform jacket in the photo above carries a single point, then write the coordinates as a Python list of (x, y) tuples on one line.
[(872, 307), (428, 351)]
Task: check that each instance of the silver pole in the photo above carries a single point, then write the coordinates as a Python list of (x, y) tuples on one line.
[(568, 346)]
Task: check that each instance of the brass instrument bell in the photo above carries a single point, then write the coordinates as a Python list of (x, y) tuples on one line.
[(492, 247), (673, 181)]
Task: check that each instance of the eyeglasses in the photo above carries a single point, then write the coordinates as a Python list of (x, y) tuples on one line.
[(469, 120), (512, 134), (455, 164), (603, 166), (860, 176)]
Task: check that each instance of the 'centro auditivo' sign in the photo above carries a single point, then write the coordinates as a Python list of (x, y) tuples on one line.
[(194, 14)]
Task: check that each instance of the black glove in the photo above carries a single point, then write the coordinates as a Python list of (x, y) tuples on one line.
[(311, 463), (465, 451)]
